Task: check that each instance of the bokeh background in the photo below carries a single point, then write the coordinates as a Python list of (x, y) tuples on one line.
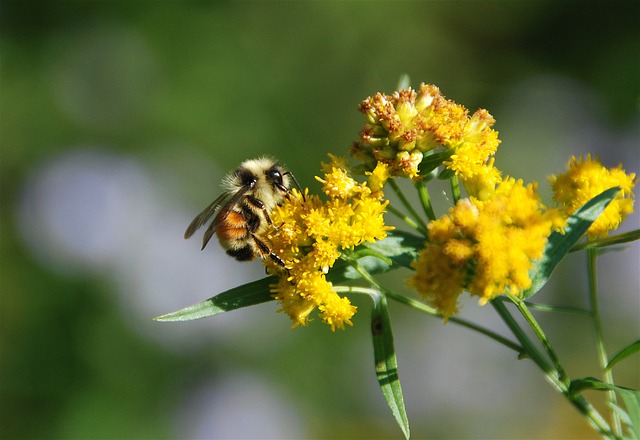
[(118, 120)]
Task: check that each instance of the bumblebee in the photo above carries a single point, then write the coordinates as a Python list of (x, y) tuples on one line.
[(241, 213)]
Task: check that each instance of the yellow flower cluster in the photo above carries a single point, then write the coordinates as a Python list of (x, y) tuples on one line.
[(584, 180), (309, 235), (484, 247), (403, 128)]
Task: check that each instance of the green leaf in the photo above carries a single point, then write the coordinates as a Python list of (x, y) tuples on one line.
[(591, 383), (250, 294), (386, 363), (624, 353), (397, 250), (560, 244), (446, 174), (399, 246), (433, 161), (632, 405), (631, 399), (612, 240)]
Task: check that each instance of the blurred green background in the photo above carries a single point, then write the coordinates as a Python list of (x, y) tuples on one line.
[(119, 118)]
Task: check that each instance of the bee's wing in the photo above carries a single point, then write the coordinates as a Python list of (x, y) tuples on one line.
[(222, 215), (204, 216)]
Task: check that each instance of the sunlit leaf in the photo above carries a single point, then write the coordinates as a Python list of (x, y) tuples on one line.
[(624, 353), (605, 242), (560, 244), (591, 383), (386, 363), (250, 294), (632, 406), (433, 161), (401, 247), (397, 250)]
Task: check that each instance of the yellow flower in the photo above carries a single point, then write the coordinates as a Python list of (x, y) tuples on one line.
[(477, 146), (337, 182), (484, 247), (442, 283), (402, 127), (309, 235), (584, 180)]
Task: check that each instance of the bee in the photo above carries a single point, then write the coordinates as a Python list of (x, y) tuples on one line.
[(241, 213)]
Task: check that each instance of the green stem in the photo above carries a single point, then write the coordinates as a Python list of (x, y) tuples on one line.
[(420, 224), (455, 189), (558, 309), (608, 241), (409, 221), (579, 402), (592, 256), (533, 323), (425, 200), (529, 348), (431, 311)]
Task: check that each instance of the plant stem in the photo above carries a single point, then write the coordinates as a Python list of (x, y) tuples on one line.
[(551, 374), (431, 311), (425, 200), (529, 348), (625, 237), (420, 224), (455, 189), (558, 309), (533, 323), (592, 256), (409, 221)]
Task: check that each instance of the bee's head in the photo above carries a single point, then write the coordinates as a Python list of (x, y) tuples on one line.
[(278, 178)]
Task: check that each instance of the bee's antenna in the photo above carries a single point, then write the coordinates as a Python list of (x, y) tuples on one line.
[(295, 181)]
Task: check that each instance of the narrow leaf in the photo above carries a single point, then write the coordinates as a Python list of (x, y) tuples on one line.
[(604, 242), (446, 174), (386, 363), (433, 161), (250, 294), (631, 399), (560, 244), (624, 353), (591, 383), (632, 405), (397, 250)]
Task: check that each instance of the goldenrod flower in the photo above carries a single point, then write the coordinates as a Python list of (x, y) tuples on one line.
[(484, 247), (584, 180), (403, 126), (472, 154), (309, 236)]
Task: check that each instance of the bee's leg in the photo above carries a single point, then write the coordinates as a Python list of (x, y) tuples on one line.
[(266, 251), (257, 203)]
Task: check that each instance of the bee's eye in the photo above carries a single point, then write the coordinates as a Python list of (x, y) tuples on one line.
[(275, 176)]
